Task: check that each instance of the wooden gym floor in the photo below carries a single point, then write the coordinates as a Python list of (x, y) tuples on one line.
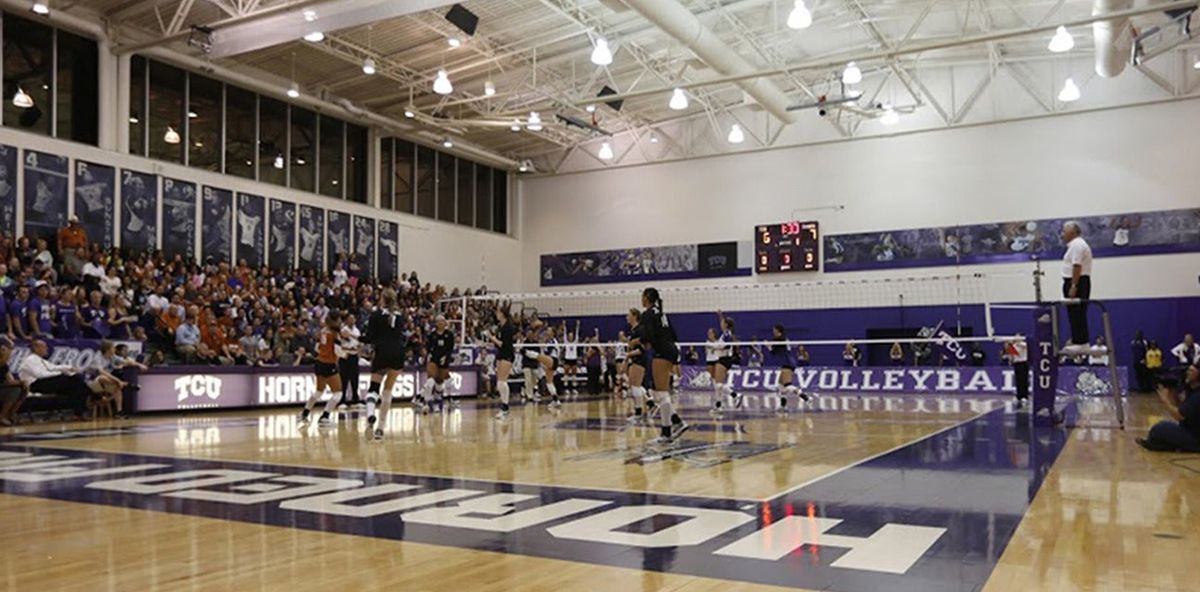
[(897, 493)]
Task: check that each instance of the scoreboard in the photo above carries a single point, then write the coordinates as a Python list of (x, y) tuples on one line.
[(790, 246)]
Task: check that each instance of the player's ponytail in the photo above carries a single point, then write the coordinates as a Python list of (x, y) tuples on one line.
[(651, 294)]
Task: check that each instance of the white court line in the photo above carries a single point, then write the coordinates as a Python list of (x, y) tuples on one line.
[(875, 456)]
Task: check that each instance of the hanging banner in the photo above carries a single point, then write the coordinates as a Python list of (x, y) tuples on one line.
[(1044, 367), (139, 211), (95, 200), (389, 250), (1138, 233), (216, 220), (179, 219), (312, 238), (338, 237), (8, 190), (641, 264), (364, 245), (45, 194), (283, 235), (250, 223)]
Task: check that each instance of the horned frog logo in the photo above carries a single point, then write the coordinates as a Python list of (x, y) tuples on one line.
[(702, 380), (1089, 383)]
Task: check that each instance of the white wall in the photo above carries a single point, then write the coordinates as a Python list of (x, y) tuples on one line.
[(1134, 159), (442, 253)]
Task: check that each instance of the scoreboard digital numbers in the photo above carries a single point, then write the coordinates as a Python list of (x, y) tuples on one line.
[(790, 246)]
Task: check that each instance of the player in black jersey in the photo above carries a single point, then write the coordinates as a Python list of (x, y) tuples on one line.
[(505, 354), (637, 367), (779, 356), (385, 333), (440, 345), (660, 337)]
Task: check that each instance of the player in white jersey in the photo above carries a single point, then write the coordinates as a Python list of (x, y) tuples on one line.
[(712, 354), (620, 355), (727, 359), (570, 358)]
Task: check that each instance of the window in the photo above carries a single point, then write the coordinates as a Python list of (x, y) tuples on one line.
[(272, 140), (356, 163), (426, 173), (500, 201), (240, 135), (483, 197), (405, 174), (466, 192), (77, 99), (204, 123), (166, 112), (303, 150), (28, 57), (445, 187), (333, 142), (386, 176), (137, 105)]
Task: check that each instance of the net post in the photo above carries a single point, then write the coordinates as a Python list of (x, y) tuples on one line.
[(1118, 400), (1044, 366)]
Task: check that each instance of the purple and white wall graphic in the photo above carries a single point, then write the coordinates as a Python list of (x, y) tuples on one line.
[(95, 195), (179, 219), (45, 194), (975, 380), (139, 210), (1135, 233), (642, 264)]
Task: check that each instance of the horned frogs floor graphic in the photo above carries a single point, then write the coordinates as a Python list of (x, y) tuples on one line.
[(923, 524)]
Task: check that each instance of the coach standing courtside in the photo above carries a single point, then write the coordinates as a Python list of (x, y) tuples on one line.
[(1077, 284)]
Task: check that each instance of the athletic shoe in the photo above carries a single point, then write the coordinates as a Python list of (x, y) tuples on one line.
[(659, 441), (634, 419), (738, 399), (324, 422), (502, 414), (1020, 404), (370, 421), (378, 434), (678, 429), (304, 416)]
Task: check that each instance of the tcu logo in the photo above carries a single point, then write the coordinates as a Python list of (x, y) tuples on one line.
[(197, 385)]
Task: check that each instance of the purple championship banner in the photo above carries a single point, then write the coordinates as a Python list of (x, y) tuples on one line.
[(1139, 233), (638, 264), (210, 387), (975, 380)]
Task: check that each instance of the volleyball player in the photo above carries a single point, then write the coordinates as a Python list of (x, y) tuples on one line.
[(385, 333), (712, 353), (348, 363), (637, 367), (326, 369), (780, 356), (440, 344), (658, 334), (728, 359), (505, 355), (620, 355), (570, 358)]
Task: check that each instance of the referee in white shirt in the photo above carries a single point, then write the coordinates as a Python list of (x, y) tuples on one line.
[(1077, 281), (41, 376)]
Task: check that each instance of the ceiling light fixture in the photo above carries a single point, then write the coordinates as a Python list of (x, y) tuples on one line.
[(448, 143), (1062, 41), (653, 139), (441, 84), (523, 168), (679, 100), (852, 75), (278, 161), (310, 16), (1196, 66), (590, 108), (193, 115), (605, 152), (736, 136), (133, 119), (535, 122), (22, 99), (453, 42), (601, 54), (516, 126), (315, 37), (409, 113), (1070, 92), (800, 17), (293, 91), (489, 88), (172, 136), (369, 67), (42, 8)]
